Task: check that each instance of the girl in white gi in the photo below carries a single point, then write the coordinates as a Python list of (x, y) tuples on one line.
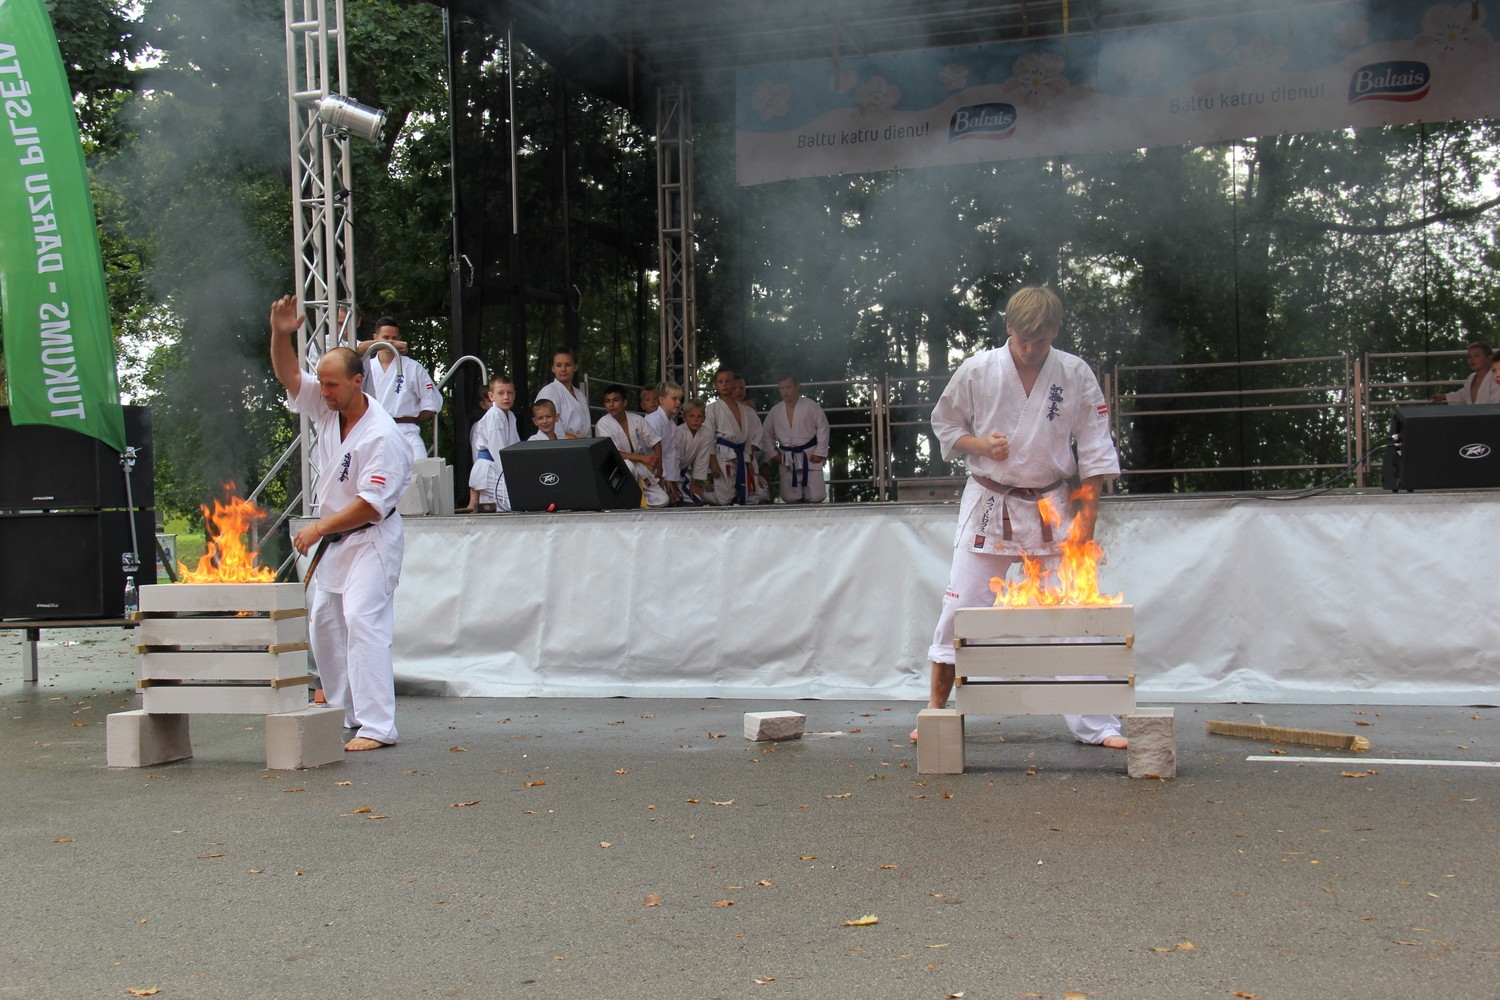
[(638, 444), (363, 464), (572, 405), (1014, 415), (497, 430), (400, 385), (694, 446), (797, 430)]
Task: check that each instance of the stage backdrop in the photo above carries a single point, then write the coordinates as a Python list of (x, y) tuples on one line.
[(1341, 599), (1324, 66)]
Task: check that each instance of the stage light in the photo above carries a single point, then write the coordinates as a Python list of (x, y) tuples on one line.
[(344, 114)]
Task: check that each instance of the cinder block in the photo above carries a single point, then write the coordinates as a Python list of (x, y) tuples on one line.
[(940, 741), (1153, 743), (762, 726), (136, 739), (309, 738)]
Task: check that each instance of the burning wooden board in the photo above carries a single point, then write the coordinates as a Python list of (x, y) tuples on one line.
[(223, 648)]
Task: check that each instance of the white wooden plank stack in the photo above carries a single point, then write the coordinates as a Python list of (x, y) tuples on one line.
[(229, 649)]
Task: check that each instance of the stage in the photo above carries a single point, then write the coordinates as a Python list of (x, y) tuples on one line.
[(1349, 598)]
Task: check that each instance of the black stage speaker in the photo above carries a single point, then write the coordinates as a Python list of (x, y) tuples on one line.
[(68, 565), (568, 474), (49, 468), (1443, 448)]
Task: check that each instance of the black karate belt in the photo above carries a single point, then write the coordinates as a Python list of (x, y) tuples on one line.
[(739, 467), (1029, 493), (329, 540)]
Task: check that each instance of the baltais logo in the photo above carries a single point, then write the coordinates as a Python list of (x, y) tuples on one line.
[(982, 121), (1474, 451), (1399, 80)]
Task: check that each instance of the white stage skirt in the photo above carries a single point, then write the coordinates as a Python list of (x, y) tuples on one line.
[(1348, 598)]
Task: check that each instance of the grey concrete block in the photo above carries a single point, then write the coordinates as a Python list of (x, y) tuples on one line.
[(762, 726), (940, 741), (309, 738), (1153, 743), (136, 739)]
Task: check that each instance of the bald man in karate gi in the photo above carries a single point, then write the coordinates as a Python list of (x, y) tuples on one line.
[(363, 462), (1014, 415)]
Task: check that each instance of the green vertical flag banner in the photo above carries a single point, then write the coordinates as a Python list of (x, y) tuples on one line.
[(59, 350)]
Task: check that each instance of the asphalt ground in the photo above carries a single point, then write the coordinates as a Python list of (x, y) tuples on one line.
[(624, 848)]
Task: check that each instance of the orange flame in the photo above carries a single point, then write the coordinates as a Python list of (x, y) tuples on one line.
[(228, 559), (1077, 569)]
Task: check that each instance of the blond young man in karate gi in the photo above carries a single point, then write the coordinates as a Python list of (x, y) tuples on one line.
[(497, 430), (797, 430), (363, 463), (694, 446), (663, 420), (1014, 415), (400, 384)]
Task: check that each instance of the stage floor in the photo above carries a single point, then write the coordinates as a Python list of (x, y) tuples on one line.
[(1358, 597)]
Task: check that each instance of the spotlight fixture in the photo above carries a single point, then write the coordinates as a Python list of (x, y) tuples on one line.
[(346, 115)]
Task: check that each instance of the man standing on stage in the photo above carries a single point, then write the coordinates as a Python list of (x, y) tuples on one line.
[(1015, 414), (363, 463)]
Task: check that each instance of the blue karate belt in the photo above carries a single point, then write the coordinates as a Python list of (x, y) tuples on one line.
[(738, 447), (801, 464), (484, 455)]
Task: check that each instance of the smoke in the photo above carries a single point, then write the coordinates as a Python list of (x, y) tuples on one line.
[(203, 192)]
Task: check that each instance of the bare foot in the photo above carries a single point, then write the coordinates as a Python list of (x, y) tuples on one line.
[(318, 697), (364, 743), (913, 736), (1115, 742)]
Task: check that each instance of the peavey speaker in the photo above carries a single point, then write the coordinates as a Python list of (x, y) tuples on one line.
[(1443, 448), (568, 474), (68, 565), (50, 468)]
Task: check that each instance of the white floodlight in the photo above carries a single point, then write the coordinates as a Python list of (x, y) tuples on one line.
[(344, 114)]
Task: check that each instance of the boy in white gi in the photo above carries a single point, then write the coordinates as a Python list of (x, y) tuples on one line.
[(544, 415), (663, 420), (573, 418), (497, 429), (757, 487), (401, 385), (1478, 387), (797, 430), (364, 463), (735, 431), (638, 444), (694, 446), (1014, 415)]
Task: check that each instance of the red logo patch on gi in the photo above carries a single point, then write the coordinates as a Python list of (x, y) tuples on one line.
[(1102, 409), (378, 480), (979, 541)]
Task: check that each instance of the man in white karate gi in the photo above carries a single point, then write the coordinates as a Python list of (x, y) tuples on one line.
[(1014, 415), (363, 466), (797, 430), (400, 384)]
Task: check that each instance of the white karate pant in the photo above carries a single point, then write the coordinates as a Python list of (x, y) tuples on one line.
[(350, 635), (809, 489), (969, 587), (413, 433)]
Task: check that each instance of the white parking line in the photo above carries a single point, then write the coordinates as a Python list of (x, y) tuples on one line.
[(1378, 760)]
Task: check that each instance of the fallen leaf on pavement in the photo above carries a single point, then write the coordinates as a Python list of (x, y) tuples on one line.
[(865, 921), (724, 902), (460, 805), (652, 900)]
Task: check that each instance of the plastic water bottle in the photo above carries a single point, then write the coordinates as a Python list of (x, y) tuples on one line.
[(132, 596)]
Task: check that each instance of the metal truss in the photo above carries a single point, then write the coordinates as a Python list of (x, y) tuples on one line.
[(674, 211)]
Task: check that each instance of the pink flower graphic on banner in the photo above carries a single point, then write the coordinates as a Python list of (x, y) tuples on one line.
[(772, 100), (954, 77), (1262, 53), (1353, 34), (844, 81), (1035, 78), (877, 95), (1454, 29)]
